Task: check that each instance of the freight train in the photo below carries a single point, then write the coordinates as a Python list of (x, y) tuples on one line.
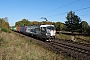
[(44, 32)]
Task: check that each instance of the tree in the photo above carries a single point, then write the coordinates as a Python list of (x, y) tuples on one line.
[(3, 23), (35, 23), (88, 30), (84, 26), (6, 19), (23, 22), (59, 26), (73, 22)]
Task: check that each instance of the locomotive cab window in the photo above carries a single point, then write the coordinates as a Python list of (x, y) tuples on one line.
[(50, 28), (43, 28)]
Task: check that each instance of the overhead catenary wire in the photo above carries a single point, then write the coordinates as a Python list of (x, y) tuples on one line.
[(85, 15), (82, 8), (60, 7), (79, 15), (73, 10)]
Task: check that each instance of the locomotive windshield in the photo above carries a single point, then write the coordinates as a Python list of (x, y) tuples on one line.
[(50, 28)]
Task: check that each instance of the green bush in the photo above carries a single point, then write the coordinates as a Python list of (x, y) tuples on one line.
[(6, 30)]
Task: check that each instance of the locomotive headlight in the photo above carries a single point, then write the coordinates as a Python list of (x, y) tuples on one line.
[(47, 33)]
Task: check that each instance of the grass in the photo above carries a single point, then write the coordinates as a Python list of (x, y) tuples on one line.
[(63, 36), (6, 30), (14, 47), (78, 38)]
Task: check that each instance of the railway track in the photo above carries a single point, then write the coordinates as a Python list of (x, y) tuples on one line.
[(78, 51), (73, 49)]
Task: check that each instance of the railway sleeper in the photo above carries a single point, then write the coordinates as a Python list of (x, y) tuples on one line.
[(58, 47), (71, 53), (86, 57), (75, 45), (81, 51), (75, 53), (82, 56), (80, 47)]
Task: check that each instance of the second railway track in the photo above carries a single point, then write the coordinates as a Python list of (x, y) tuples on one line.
[(77, 51)]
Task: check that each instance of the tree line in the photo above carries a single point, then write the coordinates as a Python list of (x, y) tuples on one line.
[(4, 23), (73, 23)]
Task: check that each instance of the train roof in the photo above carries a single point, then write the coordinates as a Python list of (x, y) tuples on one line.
[(34, 26), (46, 25)]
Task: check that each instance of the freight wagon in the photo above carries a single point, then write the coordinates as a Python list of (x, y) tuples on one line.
[(18, 28), (23, 29)]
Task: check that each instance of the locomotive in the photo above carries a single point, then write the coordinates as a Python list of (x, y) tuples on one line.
[(44, 32)]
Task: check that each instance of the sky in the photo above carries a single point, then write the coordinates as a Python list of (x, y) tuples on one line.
[(53, 10)]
